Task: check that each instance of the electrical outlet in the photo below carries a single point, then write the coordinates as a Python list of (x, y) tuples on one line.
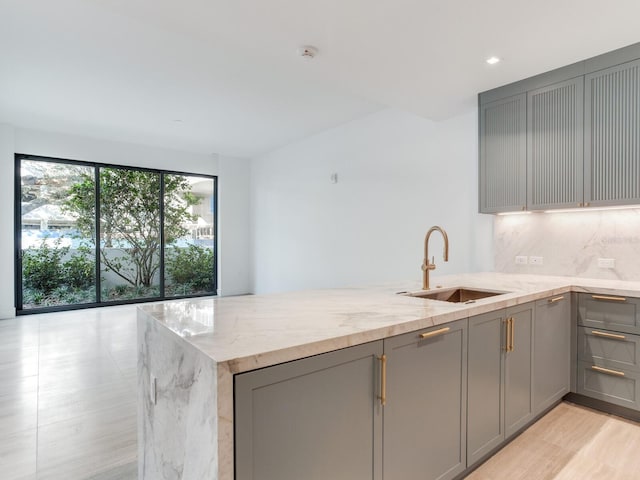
[(607, 262), (521, 260), (535, 260)]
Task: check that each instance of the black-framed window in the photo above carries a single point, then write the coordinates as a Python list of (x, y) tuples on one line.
[(90, 234)]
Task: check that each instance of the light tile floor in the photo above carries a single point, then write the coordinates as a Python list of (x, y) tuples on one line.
[(68, 411), (68, 395)]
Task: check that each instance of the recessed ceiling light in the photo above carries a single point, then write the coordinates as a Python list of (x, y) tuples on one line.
[(493, 60)]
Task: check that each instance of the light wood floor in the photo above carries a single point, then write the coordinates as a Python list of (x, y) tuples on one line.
[(569, 443), (68, 411), (68, 396)]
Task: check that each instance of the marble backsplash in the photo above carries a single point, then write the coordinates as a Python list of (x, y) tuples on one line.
[(570, 243)]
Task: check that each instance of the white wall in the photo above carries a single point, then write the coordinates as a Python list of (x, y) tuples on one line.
[(232, 264), (233, 215), (398, 174), (7, 202)]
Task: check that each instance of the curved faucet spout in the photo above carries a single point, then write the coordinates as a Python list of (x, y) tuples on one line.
[(426, 266)]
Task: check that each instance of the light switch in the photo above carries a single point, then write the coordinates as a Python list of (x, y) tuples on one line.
[(521, 260)]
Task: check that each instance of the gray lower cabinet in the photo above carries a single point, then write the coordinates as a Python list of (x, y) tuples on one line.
[(425, 411), (619, 387), (518, 392), (619, 351), (609, 312), (317, 418), (322, 417), (551, 351), (485, 407), (500, 379), (609, 349)]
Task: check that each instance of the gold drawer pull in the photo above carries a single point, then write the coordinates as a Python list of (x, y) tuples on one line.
[(607, 371), (557, 299), (383, 380), (435, 333), (607, 297), (608, 335)]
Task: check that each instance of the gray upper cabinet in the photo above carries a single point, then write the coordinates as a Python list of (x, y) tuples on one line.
[(581, 137), (503, 155), (312, 419), (551, 351), (425, 411), (612, 135), (554, 145)]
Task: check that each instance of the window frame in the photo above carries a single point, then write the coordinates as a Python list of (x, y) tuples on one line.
[(18, 280)]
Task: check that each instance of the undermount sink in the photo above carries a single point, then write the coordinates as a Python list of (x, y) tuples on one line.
[(457, 295)]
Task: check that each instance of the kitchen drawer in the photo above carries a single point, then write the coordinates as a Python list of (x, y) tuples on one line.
[(619, 351), (620, 387), (609, 312)]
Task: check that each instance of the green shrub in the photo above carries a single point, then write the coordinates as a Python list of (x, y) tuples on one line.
[(42, 267), (80, 270), (191, 266)]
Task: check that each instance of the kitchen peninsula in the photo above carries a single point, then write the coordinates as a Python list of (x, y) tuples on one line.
[(190, 350)]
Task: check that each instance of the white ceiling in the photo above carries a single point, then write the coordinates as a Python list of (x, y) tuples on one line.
[(127, 69)]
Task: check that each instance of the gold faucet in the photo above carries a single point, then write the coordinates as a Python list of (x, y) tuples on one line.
[(426, 266)]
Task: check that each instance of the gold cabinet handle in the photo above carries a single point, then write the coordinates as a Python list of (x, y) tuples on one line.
[(434, 333), (607, 297), (383, 380), (557, 299), (617, 373), (508, 345), (608, 335)]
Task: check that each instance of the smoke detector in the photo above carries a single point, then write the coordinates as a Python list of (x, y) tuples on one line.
[(307, 52)]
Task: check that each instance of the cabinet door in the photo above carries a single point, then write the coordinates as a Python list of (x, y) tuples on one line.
[(425, 412), (612, 135), (554, 145), (518, 381), (502, 172), (551, 350), (312, 419), (485, 407)]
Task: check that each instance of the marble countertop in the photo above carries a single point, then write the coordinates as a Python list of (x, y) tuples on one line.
[(254, 331)]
